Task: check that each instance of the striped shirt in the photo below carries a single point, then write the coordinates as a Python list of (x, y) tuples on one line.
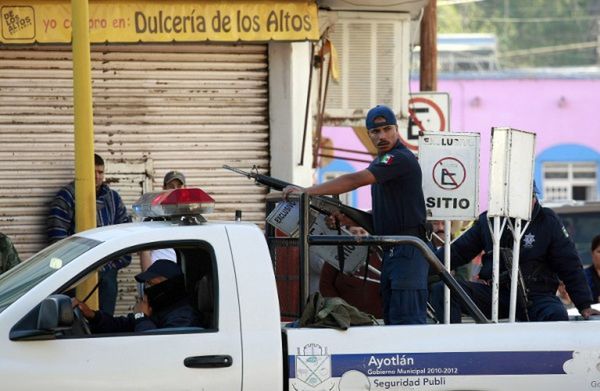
[(109, 210)]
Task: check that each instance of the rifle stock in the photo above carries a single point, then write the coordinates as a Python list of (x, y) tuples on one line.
[(323, 204)]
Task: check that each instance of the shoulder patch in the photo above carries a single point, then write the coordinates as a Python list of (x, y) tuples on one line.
[(564, 230), (386, 159)]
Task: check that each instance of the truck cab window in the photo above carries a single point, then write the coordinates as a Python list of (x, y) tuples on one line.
[(173, 295)]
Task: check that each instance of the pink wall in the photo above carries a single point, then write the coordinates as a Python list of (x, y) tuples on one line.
[(345, 138), (559, 111)]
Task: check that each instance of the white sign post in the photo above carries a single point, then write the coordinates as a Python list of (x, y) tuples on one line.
[(450, 166), (428, 112), (511, 189)]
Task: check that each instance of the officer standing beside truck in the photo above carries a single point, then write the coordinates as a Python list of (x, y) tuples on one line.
[(398, 209)]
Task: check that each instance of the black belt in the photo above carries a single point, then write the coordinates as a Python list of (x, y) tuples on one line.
[(419, 232)]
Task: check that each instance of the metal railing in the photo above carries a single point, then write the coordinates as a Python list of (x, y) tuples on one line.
[(306, 240)]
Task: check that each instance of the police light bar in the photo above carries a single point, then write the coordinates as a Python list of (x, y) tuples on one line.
[(174, 203)]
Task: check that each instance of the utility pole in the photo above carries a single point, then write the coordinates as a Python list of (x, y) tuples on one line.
[(85, 188), (428, 80), (598, 40)]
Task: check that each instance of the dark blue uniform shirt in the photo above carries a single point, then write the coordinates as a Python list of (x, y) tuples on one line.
[(547, 254), (180, 314), (398, 202), (399, 209)]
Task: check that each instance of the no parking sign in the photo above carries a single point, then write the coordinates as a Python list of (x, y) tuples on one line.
[(450, 165), (428, 112)]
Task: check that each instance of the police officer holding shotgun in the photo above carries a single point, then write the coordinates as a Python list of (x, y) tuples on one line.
[(398, 209)]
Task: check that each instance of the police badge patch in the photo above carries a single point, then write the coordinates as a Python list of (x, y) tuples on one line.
[(528, 240)]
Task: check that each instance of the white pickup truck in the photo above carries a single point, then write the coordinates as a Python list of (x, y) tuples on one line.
[(242, 345)]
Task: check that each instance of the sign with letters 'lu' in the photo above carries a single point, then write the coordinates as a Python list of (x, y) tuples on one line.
[(29, 21), (450, 166)]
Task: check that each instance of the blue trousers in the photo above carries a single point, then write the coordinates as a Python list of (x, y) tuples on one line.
[(404, 286), (107, 290), (542, 307)]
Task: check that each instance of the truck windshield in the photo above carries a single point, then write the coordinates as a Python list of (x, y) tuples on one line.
[(20, 279)]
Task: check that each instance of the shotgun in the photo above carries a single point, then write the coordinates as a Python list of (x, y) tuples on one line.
[(323, 204)]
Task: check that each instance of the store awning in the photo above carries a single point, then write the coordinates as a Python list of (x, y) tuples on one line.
[(43, 21)]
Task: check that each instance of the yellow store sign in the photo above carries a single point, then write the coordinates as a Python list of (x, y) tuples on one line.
[(47, 21)]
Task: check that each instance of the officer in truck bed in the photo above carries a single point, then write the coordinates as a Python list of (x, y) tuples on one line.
[(547, 254), (398, 209)]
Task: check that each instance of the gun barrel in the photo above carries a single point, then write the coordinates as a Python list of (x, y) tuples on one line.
[(237, 170), (362, 218)]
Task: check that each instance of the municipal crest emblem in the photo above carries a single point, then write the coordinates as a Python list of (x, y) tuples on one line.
[(313, 365), (528, 240)]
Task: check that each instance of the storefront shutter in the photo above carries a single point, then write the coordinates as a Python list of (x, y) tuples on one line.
[(158, 108)]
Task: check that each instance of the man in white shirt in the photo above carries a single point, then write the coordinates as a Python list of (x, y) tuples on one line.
[(172, 180)]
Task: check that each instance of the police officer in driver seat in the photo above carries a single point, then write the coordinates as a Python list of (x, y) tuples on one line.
[(164, 305)]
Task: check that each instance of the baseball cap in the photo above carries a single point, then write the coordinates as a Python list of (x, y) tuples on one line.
[(160, 268), (380, 111), (169, 176)]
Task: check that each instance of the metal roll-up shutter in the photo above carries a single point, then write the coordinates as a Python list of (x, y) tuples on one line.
[(190, 107), (130, 178)]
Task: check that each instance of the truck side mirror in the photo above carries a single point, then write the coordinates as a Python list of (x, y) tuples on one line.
[(56, 313)]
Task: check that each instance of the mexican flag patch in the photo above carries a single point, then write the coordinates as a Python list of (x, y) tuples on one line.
[(386, 159)]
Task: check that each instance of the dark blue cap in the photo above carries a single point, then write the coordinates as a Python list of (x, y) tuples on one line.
[(382, 112), (161, 268), (536, 191)]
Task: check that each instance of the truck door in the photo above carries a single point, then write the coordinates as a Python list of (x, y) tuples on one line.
[(207, 358)]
